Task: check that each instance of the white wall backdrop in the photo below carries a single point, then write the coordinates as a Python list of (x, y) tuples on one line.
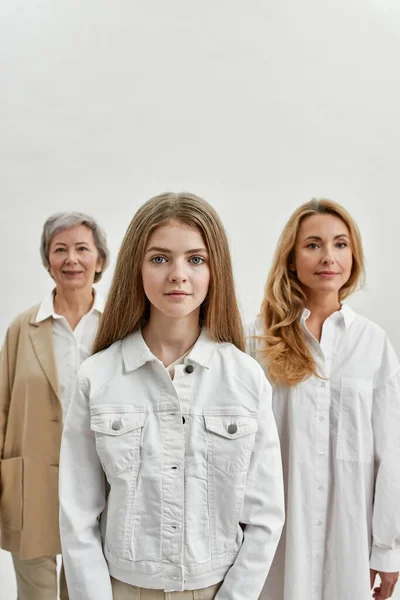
[(257, 106)]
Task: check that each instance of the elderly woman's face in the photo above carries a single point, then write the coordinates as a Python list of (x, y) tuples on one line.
[(73, 258)]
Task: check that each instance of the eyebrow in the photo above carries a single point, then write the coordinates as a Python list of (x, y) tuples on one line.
[(167, 251), (316, 237), (75, 244)]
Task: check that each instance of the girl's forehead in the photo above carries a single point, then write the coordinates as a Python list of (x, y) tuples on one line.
[(173, 231)]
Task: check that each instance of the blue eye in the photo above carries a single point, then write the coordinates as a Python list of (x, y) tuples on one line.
[(158, 260), (196, 260), (341, 245)]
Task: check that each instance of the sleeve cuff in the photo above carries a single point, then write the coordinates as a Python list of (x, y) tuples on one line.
[(386, 560)]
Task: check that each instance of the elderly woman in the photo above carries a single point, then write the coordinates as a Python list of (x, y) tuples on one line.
[(42, 352)]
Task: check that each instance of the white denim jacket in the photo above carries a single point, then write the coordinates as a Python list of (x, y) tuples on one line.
[(195, 492)]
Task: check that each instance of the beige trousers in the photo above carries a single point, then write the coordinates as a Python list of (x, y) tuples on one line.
[(37, 578), (124, 591)]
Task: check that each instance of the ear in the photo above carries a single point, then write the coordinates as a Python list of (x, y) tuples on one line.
[(99, 265)]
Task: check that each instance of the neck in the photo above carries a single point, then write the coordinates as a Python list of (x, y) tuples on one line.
[(321, 306), (73, 304), (169, 338)]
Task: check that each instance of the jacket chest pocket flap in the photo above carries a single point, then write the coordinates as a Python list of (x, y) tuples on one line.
[(355, 434), (230, 440), (118, 436)]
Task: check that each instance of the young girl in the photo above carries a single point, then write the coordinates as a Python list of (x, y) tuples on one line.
[(170, 467), (336, 401)]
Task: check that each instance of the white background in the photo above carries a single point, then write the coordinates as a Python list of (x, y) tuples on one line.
[(257, 106)]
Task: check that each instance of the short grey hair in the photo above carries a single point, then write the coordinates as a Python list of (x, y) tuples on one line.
[(66, 220)]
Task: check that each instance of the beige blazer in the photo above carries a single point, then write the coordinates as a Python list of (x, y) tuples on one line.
[(30, 438)]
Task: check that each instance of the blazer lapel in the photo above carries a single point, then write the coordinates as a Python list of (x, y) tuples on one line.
[(42, 339)]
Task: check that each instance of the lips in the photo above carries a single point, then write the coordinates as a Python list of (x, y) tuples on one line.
[(72, 272)]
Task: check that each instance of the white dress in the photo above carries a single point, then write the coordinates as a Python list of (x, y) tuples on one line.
[(340, 439)]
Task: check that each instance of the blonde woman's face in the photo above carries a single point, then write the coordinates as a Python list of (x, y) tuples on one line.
[(323, 254), (175, 270)]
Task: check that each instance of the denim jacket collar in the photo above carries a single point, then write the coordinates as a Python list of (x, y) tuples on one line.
[(136, 353)]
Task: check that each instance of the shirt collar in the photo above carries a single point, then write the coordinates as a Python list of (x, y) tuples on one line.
[(46, 308), (98, 303), (348, 315), (135, 352), (345, 314)]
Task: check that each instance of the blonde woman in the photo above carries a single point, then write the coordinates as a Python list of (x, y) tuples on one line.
[(43, 349), (178, 420), (336, 400)]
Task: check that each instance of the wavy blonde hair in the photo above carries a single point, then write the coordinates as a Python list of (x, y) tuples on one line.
[(127, 306), (285, 350)]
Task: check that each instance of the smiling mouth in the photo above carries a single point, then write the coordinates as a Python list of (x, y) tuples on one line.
[(72, 272)]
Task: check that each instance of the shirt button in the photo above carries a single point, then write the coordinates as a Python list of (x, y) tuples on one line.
[(322, 453), (321, 488), (116, 425), (322, 419), (189, 369), (232, 428), (319, 523)]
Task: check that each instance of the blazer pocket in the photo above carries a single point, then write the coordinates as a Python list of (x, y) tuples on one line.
[(11, 493)]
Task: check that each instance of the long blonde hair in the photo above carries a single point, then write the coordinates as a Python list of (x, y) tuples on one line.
[(285, 350), (127, 307)]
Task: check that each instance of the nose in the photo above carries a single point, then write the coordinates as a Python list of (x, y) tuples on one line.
[(71, 257), (178, 271), (327, 257)]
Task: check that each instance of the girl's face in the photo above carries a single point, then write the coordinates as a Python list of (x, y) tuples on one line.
[(323, 254), (175, 270), (73, 258)]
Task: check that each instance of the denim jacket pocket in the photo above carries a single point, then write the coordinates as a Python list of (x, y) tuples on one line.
[(118, 434), (355, 434), (230, 440)]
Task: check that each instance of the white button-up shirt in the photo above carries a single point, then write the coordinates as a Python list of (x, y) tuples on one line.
[(187, 462), (340, 439), (71, 346)]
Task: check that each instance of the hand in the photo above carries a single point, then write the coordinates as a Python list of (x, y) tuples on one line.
[(388, 583)]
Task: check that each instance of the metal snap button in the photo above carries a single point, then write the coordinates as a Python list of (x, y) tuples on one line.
[(189, 369), (232, 428), (116, 425)]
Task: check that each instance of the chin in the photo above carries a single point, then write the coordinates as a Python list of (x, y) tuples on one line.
[(177, 312)]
